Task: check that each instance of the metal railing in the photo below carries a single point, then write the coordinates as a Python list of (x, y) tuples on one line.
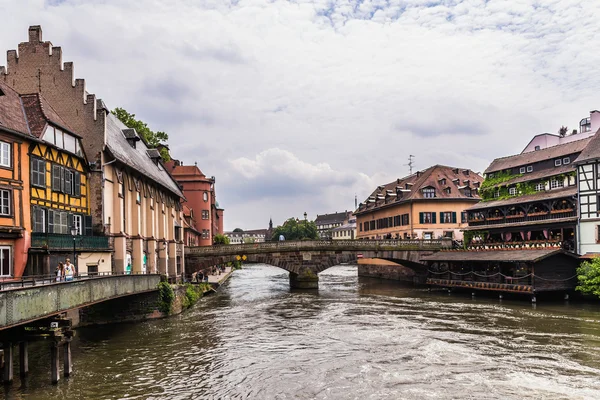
[(308, 245), (55, 241), (512, 219)]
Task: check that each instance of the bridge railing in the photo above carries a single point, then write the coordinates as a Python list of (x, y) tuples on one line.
[(351, 245)]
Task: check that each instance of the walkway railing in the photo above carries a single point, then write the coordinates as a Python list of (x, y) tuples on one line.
[(513, 219), (308, 245), (54, 241)]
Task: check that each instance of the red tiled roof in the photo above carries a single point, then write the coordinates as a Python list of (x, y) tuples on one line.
[(591, 151), (11, 111), (39, 113), (439, 177), (522, 159)]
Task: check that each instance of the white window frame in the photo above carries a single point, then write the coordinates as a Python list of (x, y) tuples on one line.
[(78, 222), (540, 186), (512, 191), (566, 160), (8, 201), (522, 170), (429, 193), (5, 159), (556, 183), (497, 194), (557, 162), (10, 263), (530, 168)]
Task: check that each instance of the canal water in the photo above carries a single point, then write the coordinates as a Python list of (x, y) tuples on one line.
[(353, 339)]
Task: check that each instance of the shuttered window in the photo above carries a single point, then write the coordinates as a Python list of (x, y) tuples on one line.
[(38, 172)]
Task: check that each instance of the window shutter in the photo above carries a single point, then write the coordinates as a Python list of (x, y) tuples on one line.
[(56, 178), (453, 217), (77, 184), (33, 178), (87, 223), (68, 182), (50, 221), (69, 222), (441, 217), (421, 218), (62, 179), (433, 218)]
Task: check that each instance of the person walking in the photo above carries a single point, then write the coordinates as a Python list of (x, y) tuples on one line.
[(60, 272), (69, 270)]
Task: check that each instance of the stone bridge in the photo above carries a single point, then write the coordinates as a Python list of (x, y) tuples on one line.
[(23, 305), (305, 259)]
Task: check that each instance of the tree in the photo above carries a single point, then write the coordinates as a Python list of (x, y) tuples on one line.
[(563, 131), (153, 139), (238, 230), (292, 229), (221, 239), (249, 240), (588, 275)]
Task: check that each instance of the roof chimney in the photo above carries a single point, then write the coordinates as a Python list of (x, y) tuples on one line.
[(35, 34)]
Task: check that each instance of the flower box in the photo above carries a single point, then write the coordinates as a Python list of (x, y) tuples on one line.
[(516, 216), (494, 218), (567, 210), (535, 214)]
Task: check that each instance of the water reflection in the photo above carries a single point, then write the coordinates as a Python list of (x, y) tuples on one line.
[(353, 338)]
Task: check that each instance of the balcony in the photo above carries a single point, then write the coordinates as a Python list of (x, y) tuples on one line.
[(55, 241), (532, 217)]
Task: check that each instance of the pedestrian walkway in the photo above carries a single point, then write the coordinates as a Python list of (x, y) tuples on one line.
[(220, 278)]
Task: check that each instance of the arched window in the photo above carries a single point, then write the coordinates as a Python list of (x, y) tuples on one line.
[(205, 196)]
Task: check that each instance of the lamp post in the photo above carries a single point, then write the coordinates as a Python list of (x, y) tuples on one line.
[(74, 234), (305, 216)]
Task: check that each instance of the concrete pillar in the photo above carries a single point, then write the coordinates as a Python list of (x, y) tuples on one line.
[(23, 359), (68, 365), (162, 258), (172, 259), (151, 265), (54, 367), (7, 372), (305, 279), (120, 254), (138, 256)]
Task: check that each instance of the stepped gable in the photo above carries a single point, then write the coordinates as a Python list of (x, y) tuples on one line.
[(12, 116), (137, 158), (531, 157)]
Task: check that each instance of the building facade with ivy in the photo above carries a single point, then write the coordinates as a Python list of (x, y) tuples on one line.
[(529, 197), (428, 204)]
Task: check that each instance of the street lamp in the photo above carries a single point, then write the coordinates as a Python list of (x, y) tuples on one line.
[(305, 215), (74, 234)]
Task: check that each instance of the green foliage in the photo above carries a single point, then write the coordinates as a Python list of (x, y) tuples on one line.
[(166, 296), (249, 240), (492, 185), (152, 138), (192, 294), (221, 239), (588, 275), (296, 230), (238, 230)]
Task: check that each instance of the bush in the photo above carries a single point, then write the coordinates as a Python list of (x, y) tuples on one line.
[(166, 296), (588, 275), (192, 294)]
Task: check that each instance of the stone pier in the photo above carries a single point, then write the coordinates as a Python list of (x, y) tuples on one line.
[(307, 278)]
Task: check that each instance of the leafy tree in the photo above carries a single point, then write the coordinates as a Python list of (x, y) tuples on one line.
[(238, 230), (292, 229), (588, 275), (221, 239), (154, 139), (563, 131), (249, 240)]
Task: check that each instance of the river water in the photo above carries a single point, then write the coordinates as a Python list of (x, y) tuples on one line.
[(353, 339)]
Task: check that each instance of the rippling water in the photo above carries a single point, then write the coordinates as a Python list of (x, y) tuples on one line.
[(353, 339)]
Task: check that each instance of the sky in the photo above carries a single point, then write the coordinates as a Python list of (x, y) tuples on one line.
[(300, 105)]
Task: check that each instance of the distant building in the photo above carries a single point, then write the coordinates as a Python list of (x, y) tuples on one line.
[(250, 236), (346, 231), (429, 204), (327, 222)]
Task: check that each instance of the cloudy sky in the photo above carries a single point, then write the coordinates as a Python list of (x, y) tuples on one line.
[(298, 105)]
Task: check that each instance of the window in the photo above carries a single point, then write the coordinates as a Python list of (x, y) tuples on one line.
[(427, 218), (497, 193), (566, 160), (78, 222), (530, 168), (4, 154), (536, 148), (463, 217), (512, 191), (39, 219), (448, 217), (58, 222), (540, 186), (427, 235), (205, 234), (448, 234), (522, 170), (66, 181), (429, 193), (205, 214), (468, 192), (38, 172), (205, 196), (405, 219), (5, 261), (555, 183), (557, 162), (5, 203)]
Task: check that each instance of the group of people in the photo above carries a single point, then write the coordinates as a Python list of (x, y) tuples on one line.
[(65, 271)]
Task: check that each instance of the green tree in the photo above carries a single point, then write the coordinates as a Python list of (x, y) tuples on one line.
[(221, 239), (153, 139), (249, 240), (293, 229), (588, 275)]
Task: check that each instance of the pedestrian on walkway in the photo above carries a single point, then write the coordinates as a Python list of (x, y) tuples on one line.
[(60, 272), (69, 270)]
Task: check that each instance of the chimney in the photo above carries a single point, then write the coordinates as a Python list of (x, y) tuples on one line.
[(595, 120), (35, 34)]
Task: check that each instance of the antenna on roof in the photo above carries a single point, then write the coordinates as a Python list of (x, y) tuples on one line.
[(410, 163), (355, 201)]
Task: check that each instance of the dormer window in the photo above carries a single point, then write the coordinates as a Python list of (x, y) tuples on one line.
[(468, 192), (1, 93), (557, 162), (530, 168), (429, 193), (566, 160), (131, 136), (522, 170), (447, 190), (442, 181), (154, 155)]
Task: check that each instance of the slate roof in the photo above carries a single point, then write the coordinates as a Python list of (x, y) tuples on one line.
[(539, 196), (523, 159), (439, 177), (12, 115), (136, 158), (533, 255), (332, 218), (591, 151)]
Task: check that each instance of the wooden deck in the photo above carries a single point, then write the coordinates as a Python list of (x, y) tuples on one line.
[(498, 287)]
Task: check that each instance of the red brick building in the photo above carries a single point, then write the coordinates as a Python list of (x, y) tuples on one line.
[(206, 217)]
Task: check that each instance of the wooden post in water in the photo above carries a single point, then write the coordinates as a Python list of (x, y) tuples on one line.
[(23, 359), (7, 373), (68, 370), (54, 363)]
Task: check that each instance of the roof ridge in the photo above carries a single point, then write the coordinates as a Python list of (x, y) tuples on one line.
[(542, 150)]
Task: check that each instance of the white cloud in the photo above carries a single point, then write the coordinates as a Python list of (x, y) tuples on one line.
[(328, 90)]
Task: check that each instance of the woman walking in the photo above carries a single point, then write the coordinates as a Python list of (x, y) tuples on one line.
[(60, 272)]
